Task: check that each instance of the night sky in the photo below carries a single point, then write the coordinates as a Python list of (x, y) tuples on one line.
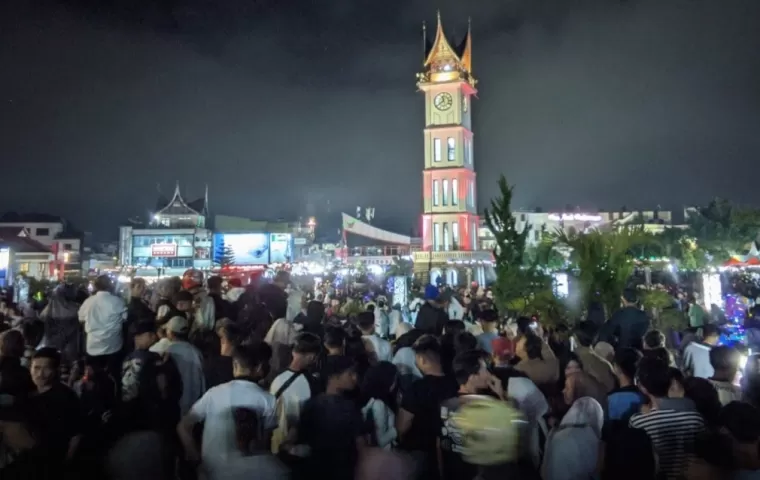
[(283, 106)]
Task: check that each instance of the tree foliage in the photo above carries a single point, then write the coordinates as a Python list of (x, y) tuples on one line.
[(604, 261), (227, 259), (521, 286)]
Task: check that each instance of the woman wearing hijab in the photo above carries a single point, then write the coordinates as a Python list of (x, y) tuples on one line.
[(572, 448)]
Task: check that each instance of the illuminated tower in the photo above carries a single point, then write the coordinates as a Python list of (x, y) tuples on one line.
[(449, 220)]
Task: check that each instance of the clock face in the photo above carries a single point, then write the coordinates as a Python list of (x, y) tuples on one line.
[(443, 101)]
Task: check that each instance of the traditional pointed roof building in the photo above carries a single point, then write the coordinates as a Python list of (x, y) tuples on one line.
[(177, 212)]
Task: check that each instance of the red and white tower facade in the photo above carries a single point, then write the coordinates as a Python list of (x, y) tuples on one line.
[(449, 220)]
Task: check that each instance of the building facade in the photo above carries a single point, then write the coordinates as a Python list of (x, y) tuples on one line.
[(56, 234), (449, 220), (175, 240), (542, 223), (20, 254)]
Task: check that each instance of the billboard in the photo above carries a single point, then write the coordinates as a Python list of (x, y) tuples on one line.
[(163, 250), (241, 249), (280, 248)]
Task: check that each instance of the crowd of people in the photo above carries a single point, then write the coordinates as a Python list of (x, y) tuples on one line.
[(262, 382)]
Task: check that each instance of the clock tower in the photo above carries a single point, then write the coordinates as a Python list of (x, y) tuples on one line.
[(450, 219)]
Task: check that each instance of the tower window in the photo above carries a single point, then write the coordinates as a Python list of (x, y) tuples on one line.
[(471, 194), (436, 149), (455, 235), (445, 193), (436, 236), (435, 193), (446, 239), (455, 192), (466, 151), (452, 149)]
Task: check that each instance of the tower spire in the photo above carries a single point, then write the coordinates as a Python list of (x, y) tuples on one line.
[(424, 41), (467, 51)]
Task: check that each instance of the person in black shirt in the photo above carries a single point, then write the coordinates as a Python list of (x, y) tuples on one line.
[(418, 421), (57, 411), (332, 425), (218, 368), (432, 317)]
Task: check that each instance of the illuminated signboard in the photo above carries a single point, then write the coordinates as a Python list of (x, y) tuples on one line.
[(5, 258), (241, 249), (574, 217), (163, 250), (280, 248)]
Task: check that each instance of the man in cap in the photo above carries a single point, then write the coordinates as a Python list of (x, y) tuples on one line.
[(432, 317)]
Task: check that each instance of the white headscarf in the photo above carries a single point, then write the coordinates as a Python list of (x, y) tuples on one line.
[(534, 406), (573, 447)]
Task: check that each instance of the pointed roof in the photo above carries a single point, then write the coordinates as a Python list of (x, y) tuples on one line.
[(178, 206), (444, 61)]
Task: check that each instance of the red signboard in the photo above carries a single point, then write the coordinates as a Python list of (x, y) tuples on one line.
[(163, 250)]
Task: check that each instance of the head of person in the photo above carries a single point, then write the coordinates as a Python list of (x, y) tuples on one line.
[(282, 279), (470, 371), (178, 329), (705, 397), (306, 349), (691, 299), (335, 340), (432, 294), (32, 330), (12, 344), (427, 354), (630, 298), (584, 334), (525, 325), (45, 366), (251, 361), (654, 339), (103, 284), (625, 363), (502, 351), (710, 334), (380, 382), (137, 287), (572, 364), (725, 362), (145, 334), (488, 319), (677, 383), (533, 345), (366, 322), (661, 353), (230, 337), (214, 285), (454, 327), (183, 301), (192, 281), (465, 341), (340, 373), (653, 377)]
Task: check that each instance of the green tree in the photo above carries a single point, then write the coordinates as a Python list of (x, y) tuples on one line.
[(401, 267), (604, 260), (722, 229), (228, 257), (521, 286)]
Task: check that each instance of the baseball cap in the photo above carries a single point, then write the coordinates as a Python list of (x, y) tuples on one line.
[(178, 325), (431, 292), (502, 347)]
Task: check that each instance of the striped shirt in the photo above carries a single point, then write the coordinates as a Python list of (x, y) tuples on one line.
[(672, 431)]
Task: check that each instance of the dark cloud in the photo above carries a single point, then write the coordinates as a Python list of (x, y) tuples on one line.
[(284, 106)]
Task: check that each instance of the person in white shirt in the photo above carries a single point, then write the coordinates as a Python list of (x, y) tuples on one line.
[(103, 315), (293, 387), (378, 391), (216, 409), (381, 348), (382, 320), (189, 362), (696, 355)]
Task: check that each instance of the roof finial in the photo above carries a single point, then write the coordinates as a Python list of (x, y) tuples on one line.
[(424, 41)]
